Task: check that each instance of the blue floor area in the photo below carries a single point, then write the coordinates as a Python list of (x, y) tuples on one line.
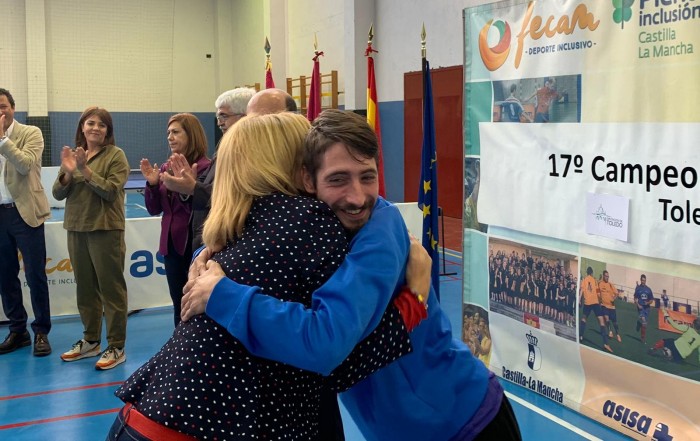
[(46, 398)]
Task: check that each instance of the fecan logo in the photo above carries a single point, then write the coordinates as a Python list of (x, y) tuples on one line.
[(535, 33), (494, 56)]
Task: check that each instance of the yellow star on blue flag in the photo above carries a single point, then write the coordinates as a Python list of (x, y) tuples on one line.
[(427, 191)]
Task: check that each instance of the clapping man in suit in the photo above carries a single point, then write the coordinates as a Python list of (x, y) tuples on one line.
[(23, 210)]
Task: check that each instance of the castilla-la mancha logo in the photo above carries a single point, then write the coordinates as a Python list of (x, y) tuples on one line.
[(534, 356)]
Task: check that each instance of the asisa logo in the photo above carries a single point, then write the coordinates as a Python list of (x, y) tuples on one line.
[(636, 421), (494, 57)]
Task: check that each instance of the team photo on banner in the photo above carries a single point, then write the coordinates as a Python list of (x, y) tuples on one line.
[(582, 204)]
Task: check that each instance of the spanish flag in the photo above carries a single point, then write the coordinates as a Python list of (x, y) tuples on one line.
[(373, 114)]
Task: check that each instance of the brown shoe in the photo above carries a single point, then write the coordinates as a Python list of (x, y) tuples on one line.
[(41, 345), (15, 340)]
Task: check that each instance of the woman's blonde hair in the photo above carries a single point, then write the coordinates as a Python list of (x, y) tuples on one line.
[(258, 156)]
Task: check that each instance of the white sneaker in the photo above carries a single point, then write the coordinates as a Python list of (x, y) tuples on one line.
[(111, 357), (81, 349)]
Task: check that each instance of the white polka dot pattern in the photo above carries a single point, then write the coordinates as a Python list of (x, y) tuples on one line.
[(203, 382)]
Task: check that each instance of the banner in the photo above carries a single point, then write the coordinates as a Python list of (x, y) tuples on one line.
[(144, 269), (623, 159), (580, 162), (681, 320)]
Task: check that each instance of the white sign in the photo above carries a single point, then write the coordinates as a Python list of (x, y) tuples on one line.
[(533, 179), (607, 215)]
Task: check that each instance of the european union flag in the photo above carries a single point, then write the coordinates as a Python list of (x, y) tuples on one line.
[(427, 192)]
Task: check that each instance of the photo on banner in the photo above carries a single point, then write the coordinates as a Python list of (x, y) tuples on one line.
[(471, 190), (671, 343), (475, 331), (538, 100), (534, 286)]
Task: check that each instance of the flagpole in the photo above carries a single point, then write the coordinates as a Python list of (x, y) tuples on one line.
[(373, 109), (313, 108), (269, 81), (426, 72), (423, 54), (428, 186)]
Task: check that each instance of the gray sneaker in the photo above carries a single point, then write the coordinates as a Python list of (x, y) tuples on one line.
[(111, 357), (81, 349)]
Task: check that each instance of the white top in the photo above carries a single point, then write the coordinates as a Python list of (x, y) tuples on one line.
[(5, 196)]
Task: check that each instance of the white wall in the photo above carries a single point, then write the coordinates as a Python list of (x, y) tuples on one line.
[(13, 51), (193, 37), (303, 22), (110, 53), (398, 28), (136, 55), (130, 55), (248, 50)]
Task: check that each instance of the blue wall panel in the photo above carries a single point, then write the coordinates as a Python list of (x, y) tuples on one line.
[(143, 135), (140, 135)]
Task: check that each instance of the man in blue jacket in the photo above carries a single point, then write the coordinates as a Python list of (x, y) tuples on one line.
[(438, 392)]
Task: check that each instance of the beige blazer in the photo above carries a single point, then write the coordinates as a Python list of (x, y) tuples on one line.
[(23, 173)]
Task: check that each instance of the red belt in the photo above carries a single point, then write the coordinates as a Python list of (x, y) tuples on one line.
[(149, 428)]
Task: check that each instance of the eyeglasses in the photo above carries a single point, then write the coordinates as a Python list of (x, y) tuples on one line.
[(221, 117)]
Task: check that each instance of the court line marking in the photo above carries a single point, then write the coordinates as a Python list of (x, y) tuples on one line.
[(548, 415), (452, 253), (58, 391), (62, 418)]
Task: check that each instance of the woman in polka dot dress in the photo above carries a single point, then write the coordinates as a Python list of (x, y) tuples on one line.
[(203, 383)]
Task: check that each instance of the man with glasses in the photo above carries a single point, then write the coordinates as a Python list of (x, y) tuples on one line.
[(230, 107)]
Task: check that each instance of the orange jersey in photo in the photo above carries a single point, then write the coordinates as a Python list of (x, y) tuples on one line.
[(589, 288), (608, 294)]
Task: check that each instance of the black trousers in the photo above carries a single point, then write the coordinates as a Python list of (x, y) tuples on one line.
[(503, 427), (16, 234), (176, 271), (330, 427)]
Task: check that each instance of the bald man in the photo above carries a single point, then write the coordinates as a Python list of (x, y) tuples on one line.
[(271, 101)]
